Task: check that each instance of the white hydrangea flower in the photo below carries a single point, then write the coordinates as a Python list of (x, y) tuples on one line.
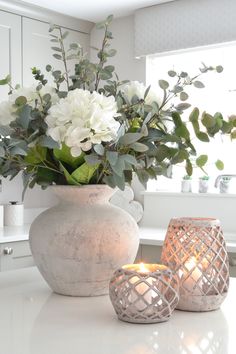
[(31, 94), (7, 109), (6, 113), (82, 119), (137, 88)]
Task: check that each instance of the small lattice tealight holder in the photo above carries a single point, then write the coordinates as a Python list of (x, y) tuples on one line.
[(195, 249), (144, 293)]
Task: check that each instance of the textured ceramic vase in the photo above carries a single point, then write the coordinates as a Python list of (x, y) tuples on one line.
[(79, 243)]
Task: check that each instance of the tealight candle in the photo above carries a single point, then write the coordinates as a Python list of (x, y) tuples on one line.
[(144, 293), (142, 287)]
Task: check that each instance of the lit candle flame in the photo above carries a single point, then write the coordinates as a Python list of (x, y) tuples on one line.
[(143, 268), (191, 263)]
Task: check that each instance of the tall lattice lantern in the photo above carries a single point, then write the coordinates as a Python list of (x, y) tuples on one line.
[(196, 250)]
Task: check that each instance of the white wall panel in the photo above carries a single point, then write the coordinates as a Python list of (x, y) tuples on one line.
[(37, 48), (10, 58)]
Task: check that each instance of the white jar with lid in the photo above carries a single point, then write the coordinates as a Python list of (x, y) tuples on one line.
[(14, 214)]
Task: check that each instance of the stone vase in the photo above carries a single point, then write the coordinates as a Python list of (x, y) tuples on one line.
[(79, 243)]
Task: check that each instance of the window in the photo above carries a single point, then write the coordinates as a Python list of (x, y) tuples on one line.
[(219, 94)]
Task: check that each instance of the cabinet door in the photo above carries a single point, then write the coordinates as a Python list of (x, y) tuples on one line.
[(37, 48), (15, 255), (10, 39)]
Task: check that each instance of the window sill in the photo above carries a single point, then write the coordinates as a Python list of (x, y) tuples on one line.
[(156, 236), (190, 195)]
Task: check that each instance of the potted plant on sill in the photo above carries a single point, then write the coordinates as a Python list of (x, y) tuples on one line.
[(225, 184), (186, 184), (203, 184), (83, 137)]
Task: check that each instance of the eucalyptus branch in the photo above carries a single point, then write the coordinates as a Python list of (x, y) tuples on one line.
[(102, 60), (63, 53)]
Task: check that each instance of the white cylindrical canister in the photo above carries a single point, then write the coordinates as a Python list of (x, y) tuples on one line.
[(14, 214)]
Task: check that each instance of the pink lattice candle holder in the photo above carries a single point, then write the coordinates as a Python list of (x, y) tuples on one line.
[(196, 250), (144, 293)]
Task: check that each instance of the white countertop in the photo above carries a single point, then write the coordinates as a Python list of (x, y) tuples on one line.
[(148, 236), (14, 233), (33, 320)]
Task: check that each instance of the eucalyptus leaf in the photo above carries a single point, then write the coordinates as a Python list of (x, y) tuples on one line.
[(112, 157), (109, 180), (219, 69), (92, 159), (183, 106), (139, 147), (194, 115), (119, 181), (219, 164), (198, 84), (172, 73), (5, 81), (56, 49), (57, 56), (183, 96), (99, 149), (74, 46), (111, 52), (203, 137), (48, 142), (189, 167), (25, 116), (201, 160), (119, 166), (130, 138), (2, 152), (163, 84), (18, 151), (21, 101), (207, 120), (5, 130)]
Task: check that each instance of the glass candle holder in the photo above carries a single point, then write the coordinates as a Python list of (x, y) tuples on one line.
[(144, 293), (196, 250)]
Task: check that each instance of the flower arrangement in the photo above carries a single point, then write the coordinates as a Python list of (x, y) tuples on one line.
[(91, 128)]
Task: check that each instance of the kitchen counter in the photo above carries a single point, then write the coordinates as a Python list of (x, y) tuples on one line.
[(33, 320), (14, 233)]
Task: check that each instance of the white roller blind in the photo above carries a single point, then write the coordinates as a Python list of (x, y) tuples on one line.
[(184, 24)]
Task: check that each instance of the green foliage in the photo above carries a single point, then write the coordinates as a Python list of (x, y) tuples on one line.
[(64, 155), (153, 136), (84, 173), (201, 160)]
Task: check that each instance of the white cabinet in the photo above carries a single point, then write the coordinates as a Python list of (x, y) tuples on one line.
[(10, 39), (15, 255), (37, 48)]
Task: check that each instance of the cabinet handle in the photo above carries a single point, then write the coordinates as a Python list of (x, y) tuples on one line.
[(7, 251)]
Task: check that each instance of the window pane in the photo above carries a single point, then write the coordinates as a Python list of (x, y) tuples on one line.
[(219, 94)]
